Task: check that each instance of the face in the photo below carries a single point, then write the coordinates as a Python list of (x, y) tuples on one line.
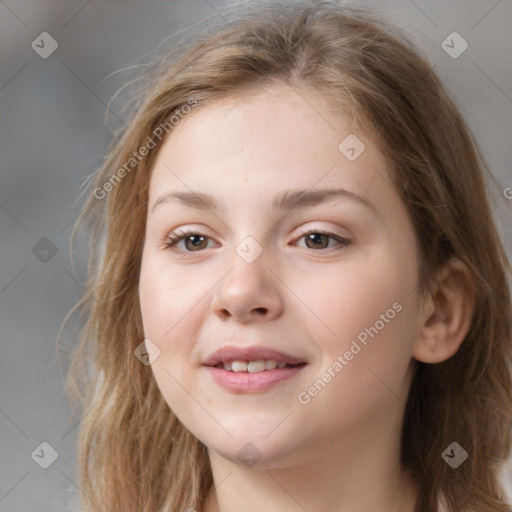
[(326, 278)]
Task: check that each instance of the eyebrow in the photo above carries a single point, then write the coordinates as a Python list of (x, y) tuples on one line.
[(283, 201)]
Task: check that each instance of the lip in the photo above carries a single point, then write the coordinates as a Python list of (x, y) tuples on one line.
[(240, 382), (230, 353)]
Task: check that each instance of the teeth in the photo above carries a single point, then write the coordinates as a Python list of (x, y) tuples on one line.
[(256, 366), (270, 365), (260, 365), (239, 366)]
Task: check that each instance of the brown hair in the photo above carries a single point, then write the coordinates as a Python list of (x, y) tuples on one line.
[(134, 454)]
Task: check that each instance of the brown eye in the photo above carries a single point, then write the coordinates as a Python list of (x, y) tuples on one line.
[(196, 242), (193, 242), (318, 239)]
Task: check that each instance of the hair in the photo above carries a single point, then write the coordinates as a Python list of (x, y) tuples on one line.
[(134, 454)]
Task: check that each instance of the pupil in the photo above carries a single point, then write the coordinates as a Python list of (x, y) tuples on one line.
[(315, 237), (196, 240)]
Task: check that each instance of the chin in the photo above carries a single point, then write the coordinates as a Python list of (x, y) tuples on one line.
[(258, 453)]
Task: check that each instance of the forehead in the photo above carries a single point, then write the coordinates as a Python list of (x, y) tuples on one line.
[(256, 144)]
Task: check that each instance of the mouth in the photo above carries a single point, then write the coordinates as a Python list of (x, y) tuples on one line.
[(250, 359), (251, 369), (258, 366)]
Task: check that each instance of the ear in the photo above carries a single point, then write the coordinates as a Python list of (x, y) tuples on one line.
[(447, 313)]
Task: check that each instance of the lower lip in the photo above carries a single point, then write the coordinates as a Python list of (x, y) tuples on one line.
[(252, 382)]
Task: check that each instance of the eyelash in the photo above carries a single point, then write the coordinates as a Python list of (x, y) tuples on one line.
[(175, 238)]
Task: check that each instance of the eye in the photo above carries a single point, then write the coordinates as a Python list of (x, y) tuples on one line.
[(197, 240), (193, 241), (318, 239)]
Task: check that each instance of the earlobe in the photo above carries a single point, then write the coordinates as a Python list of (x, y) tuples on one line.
[(447, 313)]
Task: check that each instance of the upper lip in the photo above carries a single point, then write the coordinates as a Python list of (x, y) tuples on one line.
[(230, 353)]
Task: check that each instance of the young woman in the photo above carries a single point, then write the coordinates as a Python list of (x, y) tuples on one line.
[(297, 298)]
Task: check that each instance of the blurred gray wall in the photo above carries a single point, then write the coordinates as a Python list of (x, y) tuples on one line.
[(53, 135)]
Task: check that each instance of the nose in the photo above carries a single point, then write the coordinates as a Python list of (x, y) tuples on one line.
[(249, 292)]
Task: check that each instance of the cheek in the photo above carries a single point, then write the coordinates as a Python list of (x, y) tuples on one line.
[(346, 298), (169, 313), (367, 313), (167, 298), (366, 366)]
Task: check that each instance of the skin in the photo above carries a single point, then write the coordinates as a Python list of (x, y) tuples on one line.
[(340, 451)]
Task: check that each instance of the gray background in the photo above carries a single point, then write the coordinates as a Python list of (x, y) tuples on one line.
[(53, 135)]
